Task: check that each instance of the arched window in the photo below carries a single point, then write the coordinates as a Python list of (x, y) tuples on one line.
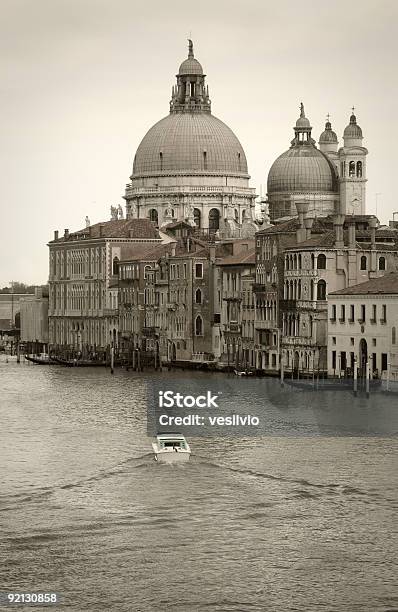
[(243, 214), (198, 326), (236, 213), (393, 335), (146, 270), (115, 265), (153, 216), (351, 168), (321, 290), (197, 216), (214, 219), (364, 262), (313, 261), (321, 262), (359, 169), (198, 296), (382, 263)]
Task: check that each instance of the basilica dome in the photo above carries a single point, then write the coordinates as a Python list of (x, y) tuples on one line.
[(302, 169), (189, 143)]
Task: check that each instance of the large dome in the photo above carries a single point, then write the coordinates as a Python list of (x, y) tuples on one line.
[(302, 169), (189, 143)]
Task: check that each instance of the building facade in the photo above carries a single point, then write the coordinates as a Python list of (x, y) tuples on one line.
[(83, 298), (363, 328)]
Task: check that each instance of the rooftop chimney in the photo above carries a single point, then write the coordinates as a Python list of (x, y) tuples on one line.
[(66, 234), (55, 234), (308, 222), (212, 253), (338, 223), (302, 208), (372, 225), (101, 230), (173, 249), (352, 234)]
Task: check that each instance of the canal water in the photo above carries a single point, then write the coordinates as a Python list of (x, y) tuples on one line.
[(304, 522)]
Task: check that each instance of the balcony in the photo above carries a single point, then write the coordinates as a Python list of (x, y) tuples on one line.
[(259, 288), (372, 321), (233, 327), (361, 321), (270, 324), (288, 304), (342, 320), (383, 321), (150, 332), (333, 319), (298, 341), (171, 306)]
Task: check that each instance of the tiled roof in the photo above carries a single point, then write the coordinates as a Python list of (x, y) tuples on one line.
[(291, 225), (116, 228), (247, 257), (384, 284)]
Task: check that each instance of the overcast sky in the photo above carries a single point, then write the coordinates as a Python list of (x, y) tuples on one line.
[(83, 80)]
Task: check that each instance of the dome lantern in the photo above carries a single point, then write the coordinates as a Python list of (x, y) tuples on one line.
[(190, 94), (302, 129)]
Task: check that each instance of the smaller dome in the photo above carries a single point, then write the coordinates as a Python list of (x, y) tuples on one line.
[(352, 130), (303, 122), (190, 66), (328, 135)]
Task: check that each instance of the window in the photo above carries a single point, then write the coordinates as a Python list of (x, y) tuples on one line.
[(334, 360), (374, 313), (382, 263), (342, 313), (115, 265), (373, 341), (198, 326), (185, 270), (352, 313), (343, 360), (321, 262), (363, 314), (364, 262), (214, 219), (374, 361), (351, 168), (321, 290), (393, 335), (359, 169), (333, 313), (198, 296), (196, 216), (384, 361), (198, 270), (383, 319), (146, 270), (352, 340), (153, 215), (334, 340)]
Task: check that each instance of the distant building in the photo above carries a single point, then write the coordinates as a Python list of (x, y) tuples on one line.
[(364, 325), (34, 317), (83, 298), (10, 307)]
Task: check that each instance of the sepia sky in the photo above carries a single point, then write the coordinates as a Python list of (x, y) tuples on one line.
[(81, 81)]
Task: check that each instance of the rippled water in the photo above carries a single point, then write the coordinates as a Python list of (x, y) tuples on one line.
[(253, 524)]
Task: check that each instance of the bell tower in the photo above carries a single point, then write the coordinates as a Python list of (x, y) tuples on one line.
[(352, 170)]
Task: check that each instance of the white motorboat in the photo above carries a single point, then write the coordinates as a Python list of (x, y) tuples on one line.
[(171, 448)]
